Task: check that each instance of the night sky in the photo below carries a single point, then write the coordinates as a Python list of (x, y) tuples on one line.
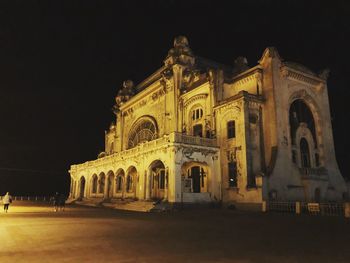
[(62, 63)]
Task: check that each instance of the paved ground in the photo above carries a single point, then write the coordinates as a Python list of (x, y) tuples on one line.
[(34, 233)]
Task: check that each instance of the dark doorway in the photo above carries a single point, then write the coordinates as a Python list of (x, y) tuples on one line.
[(195, 174), (198, 130)]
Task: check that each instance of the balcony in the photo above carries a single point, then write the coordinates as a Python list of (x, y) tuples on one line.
[(193, 140), (320, 173), (148, 146)]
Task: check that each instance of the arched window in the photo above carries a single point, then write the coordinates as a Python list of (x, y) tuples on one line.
[(299, 112), (304, 153), (197, 114), (143, 131), (94, 184)]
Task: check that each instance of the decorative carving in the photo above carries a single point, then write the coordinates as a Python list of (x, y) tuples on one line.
[(302, 77), (124, 94), (166, 79), (194, 98)]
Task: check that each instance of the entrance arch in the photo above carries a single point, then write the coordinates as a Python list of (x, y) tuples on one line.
[(157, 179), (82, 187), (196, 177)]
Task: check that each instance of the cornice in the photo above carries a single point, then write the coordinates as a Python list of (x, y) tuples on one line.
[(299, 76)]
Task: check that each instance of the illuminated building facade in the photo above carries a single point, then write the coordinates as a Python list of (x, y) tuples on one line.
[(197, 131)]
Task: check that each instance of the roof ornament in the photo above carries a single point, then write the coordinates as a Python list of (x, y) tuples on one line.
[(124, 94), (181, 53), (240, 65)]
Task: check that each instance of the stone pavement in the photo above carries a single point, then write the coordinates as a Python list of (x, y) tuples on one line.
[(32, 232)]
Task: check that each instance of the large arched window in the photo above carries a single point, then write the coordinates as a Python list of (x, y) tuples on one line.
[(304, 153), (143, 131), (299, 112)]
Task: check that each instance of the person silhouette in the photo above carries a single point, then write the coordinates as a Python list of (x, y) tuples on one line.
[(7, 200)]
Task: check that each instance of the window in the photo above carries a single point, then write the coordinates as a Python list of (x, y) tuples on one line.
[(299, 112), (143, 131), (232, 174), (198, 130), (231, 130), (304, 153), (197, 114)]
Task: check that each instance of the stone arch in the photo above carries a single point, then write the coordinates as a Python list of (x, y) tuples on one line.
[(308, 126), (196, 176), (131, 179), (158, 181), (119, 180), (143, 129), (312, 105), (303, 137)]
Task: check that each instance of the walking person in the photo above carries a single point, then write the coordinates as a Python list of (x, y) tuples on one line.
[(56, 201), (7, 200)]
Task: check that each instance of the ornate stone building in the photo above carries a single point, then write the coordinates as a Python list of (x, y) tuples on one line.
[(198, 131)]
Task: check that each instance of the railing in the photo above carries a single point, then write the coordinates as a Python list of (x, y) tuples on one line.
[(287, 207), (194, 140), (174, 137), (327, 209), (30, 198), (324, 209)]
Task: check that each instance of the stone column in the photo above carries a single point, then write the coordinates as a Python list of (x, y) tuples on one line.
[(148, 185), (166, 184), (105, 192)]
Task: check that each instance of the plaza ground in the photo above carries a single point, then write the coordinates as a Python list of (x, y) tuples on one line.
[(32, 232)]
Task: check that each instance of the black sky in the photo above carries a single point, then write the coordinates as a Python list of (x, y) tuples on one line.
[(62, 62)]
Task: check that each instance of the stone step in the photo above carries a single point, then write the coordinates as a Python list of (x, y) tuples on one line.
[(141, 206)]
